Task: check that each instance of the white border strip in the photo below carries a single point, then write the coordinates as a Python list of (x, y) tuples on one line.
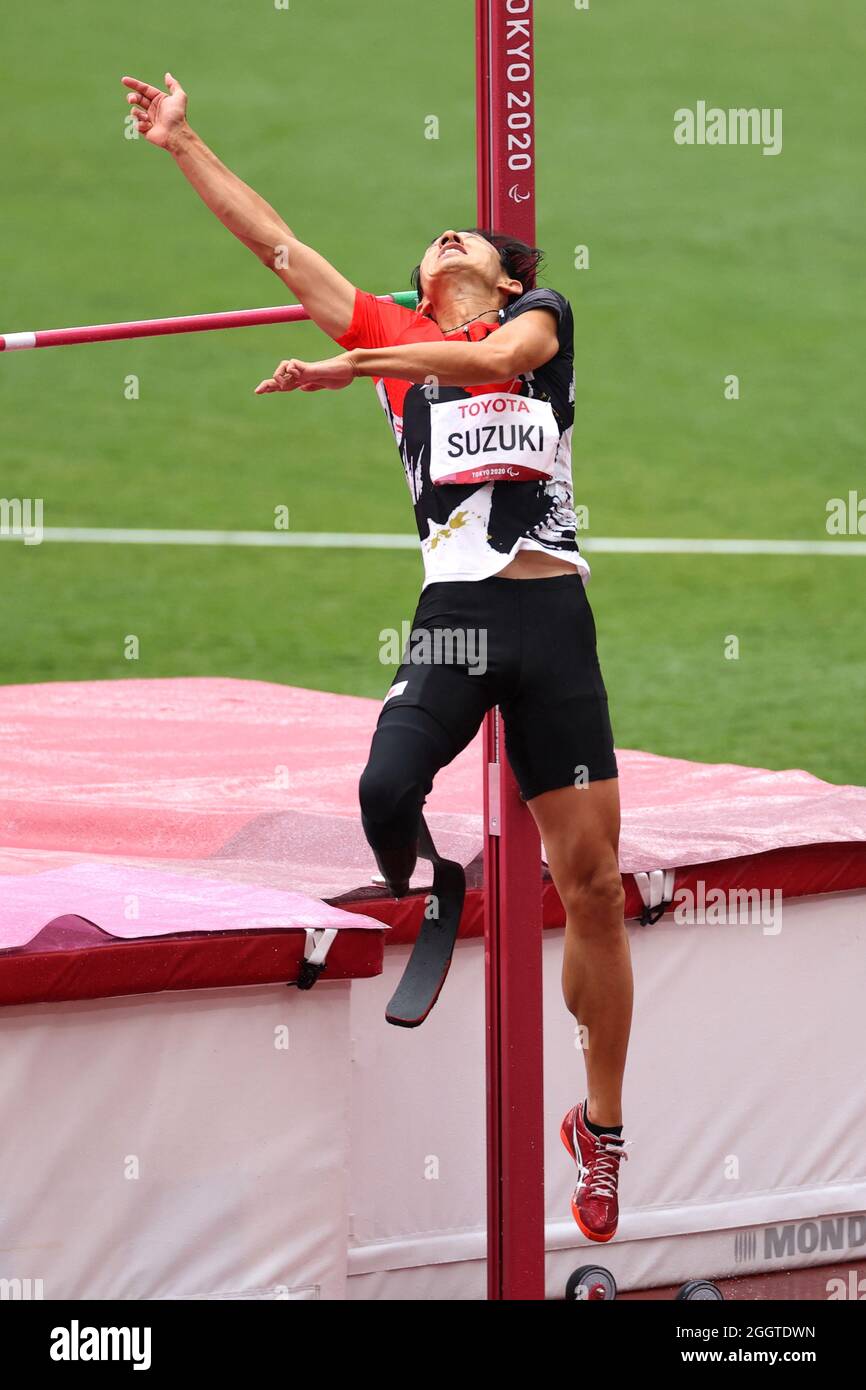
[(317, 540), (337, 540), (652, 545), (11, 341), (753, 1211)]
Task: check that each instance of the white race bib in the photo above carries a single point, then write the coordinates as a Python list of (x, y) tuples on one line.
[(498, 438)]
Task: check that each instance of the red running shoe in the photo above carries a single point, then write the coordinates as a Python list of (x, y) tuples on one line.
[(594, 1203)]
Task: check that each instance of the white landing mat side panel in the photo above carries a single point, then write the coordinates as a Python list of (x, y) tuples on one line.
[(744, 1103), (180, 1145)]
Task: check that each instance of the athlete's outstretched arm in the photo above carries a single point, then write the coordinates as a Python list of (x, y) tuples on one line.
[(523, 345), (327, 296)]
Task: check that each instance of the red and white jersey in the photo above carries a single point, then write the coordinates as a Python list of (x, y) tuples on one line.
[(456, 442)]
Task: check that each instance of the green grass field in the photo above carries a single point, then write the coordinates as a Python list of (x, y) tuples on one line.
[(703, 262)]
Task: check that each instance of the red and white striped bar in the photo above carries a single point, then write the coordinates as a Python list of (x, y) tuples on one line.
[(158, 328)]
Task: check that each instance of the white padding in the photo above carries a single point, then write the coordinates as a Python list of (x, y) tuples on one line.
[(655, 887), (317, 944), (179, 1145), (743, 1099)]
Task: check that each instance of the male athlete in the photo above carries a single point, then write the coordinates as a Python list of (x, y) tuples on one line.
[(478, 389)]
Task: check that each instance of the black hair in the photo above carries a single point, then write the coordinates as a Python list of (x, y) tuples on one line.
[(520, 261)]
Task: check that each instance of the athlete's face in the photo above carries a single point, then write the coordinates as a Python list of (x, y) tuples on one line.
[(462, 257)]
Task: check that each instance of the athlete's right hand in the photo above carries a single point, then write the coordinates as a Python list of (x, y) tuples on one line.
[(332, 374), (160, 117)]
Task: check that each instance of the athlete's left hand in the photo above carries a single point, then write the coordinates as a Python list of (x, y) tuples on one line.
[(332, 374)]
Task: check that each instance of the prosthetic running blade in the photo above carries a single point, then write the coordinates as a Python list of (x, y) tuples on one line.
[(431, 955)]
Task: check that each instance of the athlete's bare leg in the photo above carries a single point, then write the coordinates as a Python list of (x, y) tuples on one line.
[(580, 829)]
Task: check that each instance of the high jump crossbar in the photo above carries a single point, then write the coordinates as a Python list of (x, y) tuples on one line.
[(158, 328)]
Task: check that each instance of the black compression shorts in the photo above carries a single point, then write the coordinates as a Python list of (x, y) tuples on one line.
[(527, 645)]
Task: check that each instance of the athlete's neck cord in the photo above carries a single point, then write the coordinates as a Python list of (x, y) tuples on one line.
[(446, 331)]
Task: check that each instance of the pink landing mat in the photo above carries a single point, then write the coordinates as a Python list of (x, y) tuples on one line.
[(221, 783), (130, 903)]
